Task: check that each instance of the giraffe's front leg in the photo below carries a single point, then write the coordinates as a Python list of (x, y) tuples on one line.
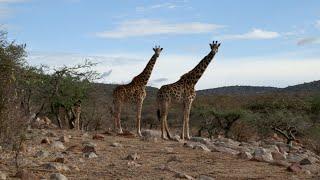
[(186, 115), (138, 123)]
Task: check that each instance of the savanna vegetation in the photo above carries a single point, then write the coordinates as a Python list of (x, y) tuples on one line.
[(29, 93)]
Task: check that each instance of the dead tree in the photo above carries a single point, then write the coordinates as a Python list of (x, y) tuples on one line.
[(289, 133)]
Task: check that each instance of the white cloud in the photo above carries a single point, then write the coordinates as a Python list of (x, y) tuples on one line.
[(308, 40), (253, 35), (145, 27), (280, 70), (156, 6)]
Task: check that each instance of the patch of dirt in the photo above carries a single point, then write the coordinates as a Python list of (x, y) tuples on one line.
[(154, 162)]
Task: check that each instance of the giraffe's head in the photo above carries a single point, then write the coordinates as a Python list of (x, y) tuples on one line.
[(215, 46), (157, 50)]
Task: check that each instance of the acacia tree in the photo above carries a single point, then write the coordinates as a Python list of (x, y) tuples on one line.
[(12, 59)]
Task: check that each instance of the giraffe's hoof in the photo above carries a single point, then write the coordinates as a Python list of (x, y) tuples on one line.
[(120, 131), (164, 138), (188, 138), (139, 134)]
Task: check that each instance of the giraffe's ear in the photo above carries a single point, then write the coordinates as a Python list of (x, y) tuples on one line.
[(219, 44), (154, 49), (161, 49)]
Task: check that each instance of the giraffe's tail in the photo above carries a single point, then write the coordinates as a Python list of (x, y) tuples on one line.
[(159, 114)]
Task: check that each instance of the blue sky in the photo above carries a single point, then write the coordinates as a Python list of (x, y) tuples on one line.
[(270, 42)]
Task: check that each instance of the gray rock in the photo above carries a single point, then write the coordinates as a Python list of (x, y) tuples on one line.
[(296, 157), (261, 154), (305, 161), (132, 157), (202, 147), (278, 156), (58, 176), (42, 154), (88, 143), (89, 149), (90, 155), (57, 145), (3, 176), (132, 163), (151, 133), (227, 150), (200, 140), (64, 138), (115, 144), (282, 147), (204, 177), (183, 176), (245, 155), (56, 166)]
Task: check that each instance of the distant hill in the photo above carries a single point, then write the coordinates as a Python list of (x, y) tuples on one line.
[(237, 90), (305, 87), (311, 87)]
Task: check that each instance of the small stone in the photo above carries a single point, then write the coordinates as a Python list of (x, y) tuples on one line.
[(245, 155), (90, 155), (42, 154), (307, 172), (60, 160), (26, 175), (57, 145), (205, 177), (45, 141), (64, 139), (133, 157), (177, 138), (202, 147), (295, 167), (74, 168), (278, 156), (88, 143), (168, 149), (3, 176), (58, 176), (98, 137), (132, 163), (115, 144), (56, 166), (183, 176), (88, 149), (305, 161)]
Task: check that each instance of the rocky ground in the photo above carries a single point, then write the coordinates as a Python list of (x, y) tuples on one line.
[(60, 154)]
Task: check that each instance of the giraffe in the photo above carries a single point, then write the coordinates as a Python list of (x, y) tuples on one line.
[(134, 92), (182, 91)]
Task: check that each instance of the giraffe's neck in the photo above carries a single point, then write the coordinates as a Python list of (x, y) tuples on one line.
[(193, 76), (143, 77)]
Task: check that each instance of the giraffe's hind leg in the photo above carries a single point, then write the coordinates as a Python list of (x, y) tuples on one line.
[(163, 106), (116, 116)]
